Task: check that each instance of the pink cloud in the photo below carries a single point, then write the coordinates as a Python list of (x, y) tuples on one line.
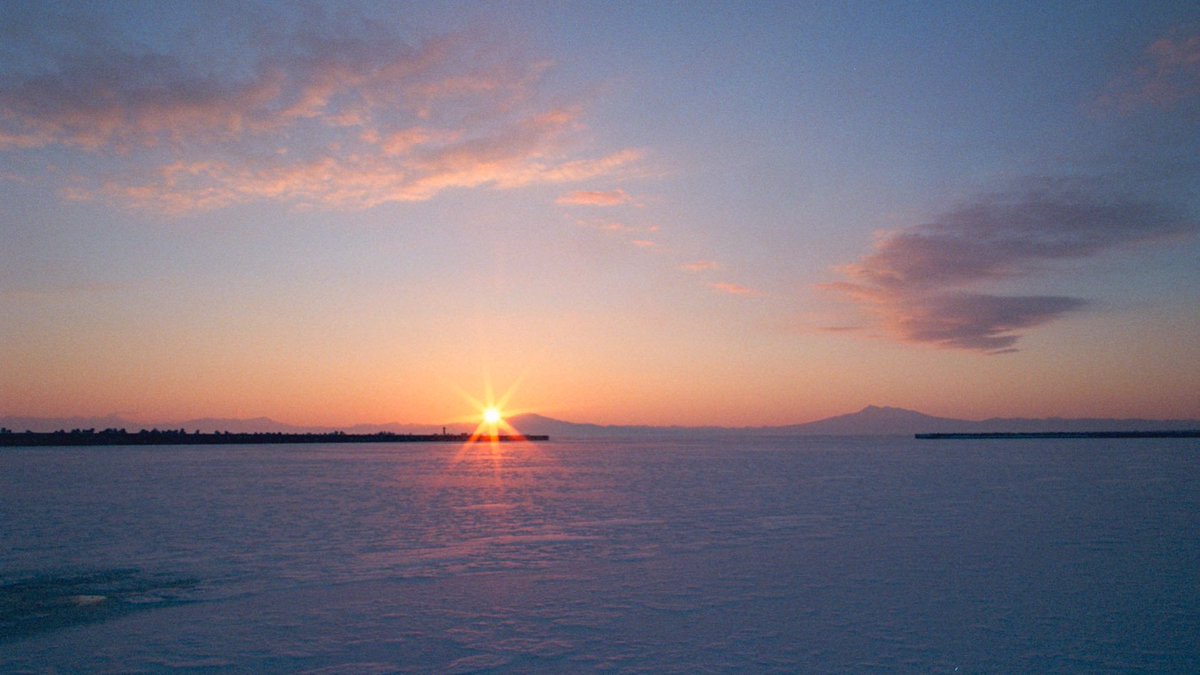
[(406, 141), (344, 121), (123, 100), (23, 141), (700, 266), (643, 243), (617, 227), (595, 198), (585, 169), (918, 283), (1168, 75), (733, 289)]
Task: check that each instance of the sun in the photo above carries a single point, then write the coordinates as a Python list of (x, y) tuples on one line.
[(492, 415)]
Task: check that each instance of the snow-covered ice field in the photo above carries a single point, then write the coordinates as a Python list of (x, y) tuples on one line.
[(752, 554)]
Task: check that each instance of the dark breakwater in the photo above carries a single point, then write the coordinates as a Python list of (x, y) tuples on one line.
[(1193, 433), (83, 437)]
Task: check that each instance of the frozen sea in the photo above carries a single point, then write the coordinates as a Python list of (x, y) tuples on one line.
[(711, 555)]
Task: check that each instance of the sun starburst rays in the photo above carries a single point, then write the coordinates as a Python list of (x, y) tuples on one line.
[(491, 413), (492, 428)]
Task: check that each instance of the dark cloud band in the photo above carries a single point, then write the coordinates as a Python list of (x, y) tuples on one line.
[(921, 283)]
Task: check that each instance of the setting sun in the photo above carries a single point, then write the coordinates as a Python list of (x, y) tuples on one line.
[(490, 412)]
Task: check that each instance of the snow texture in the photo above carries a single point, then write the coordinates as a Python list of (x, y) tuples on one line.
[(735, 554)]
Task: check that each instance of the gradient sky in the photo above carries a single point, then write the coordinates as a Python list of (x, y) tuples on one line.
[(663, 213)]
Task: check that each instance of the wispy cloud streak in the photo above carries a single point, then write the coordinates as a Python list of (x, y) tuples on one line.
[(920, 283), (595, 198), (700, 266), (333, 120), (734, 289)]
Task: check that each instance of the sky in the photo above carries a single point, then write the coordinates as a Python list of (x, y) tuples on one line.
[(612, 212)]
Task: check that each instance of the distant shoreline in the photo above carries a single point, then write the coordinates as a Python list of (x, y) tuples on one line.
[(89, 437), (1190, 433)]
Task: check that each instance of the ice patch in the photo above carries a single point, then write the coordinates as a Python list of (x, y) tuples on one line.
[(85, 600), (37, 603), (478, 663)]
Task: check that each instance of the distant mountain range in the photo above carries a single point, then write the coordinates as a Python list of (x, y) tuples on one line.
[(869, 421), (874, 420)]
